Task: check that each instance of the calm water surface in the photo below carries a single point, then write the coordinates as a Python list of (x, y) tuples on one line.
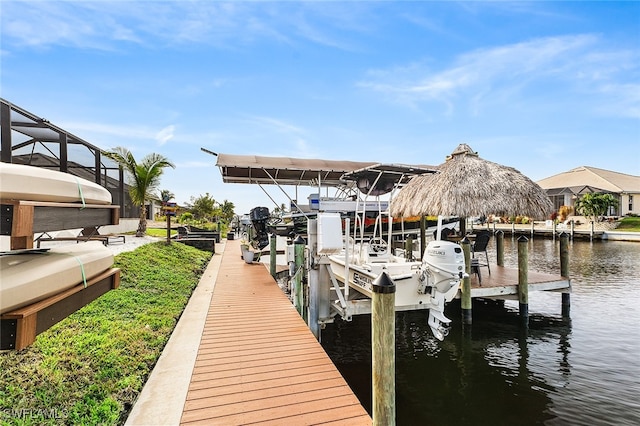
[(579, 371)]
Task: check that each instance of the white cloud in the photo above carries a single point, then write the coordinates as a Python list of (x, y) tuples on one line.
[(165, 135), (227, 25), (579, 64), (276, 125)]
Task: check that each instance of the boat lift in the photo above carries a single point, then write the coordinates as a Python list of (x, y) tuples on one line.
[(330, 296)]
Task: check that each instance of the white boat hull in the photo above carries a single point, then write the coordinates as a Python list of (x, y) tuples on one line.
[(404, 274)]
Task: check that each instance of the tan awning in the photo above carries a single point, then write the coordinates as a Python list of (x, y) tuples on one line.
[(284, 170)]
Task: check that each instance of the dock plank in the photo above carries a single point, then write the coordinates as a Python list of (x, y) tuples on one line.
[(259, 363)]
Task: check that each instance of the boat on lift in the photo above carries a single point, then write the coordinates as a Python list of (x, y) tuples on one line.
[(420, 284)]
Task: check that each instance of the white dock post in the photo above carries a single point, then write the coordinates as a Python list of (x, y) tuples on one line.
[(383, 351), (573, 228)]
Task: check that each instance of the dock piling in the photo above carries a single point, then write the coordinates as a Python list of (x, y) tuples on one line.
[(564, 272), (465, 302), (383, 347), (523, 278), (500, 247), (408, 248)]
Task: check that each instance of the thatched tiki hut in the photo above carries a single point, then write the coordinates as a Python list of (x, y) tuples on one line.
[(467, 185)]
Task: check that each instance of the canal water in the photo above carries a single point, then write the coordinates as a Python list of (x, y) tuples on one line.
[(584, 370)]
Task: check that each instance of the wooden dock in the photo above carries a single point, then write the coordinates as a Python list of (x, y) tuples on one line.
[(259, 363), (503, 283)]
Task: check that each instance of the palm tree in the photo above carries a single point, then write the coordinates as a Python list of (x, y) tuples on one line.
[(595, 205), (166, 195), (227, 208), (145, 178)]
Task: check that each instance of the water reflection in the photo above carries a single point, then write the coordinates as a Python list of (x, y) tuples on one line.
[(582, 370)]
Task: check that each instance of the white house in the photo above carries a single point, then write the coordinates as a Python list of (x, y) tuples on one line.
[(565, 188)]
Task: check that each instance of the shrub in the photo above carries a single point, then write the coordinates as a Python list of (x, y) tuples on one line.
[(186, 216), (564, 212)]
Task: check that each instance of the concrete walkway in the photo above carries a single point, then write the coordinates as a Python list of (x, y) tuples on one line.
[(161, 401)]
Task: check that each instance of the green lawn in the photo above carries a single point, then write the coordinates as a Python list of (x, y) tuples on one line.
[(160, 232), (629, 223), (89, 368)]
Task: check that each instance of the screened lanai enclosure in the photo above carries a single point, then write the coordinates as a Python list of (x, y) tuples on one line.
[(32, 140)]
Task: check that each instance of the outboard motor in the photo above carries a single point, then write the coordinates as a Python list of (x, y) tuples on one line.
[(442, 270), (259, 217)]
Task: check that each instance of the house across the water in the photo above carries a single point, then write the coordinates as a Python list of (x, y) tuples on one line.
[(566, 188)]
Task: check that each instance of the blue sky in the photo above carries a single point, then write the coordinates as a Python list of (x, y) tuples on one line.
[(540, 86)]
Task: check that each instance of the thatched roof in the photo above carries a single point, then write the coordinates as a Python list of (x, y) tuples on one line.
[(467, 185)]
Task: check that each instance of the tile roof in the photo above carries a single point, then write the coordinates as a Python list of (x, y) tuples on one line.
[(605, 180)]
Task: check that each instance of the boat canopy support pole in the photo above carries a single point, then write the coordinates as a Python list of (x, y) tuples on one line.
[(294, 202)]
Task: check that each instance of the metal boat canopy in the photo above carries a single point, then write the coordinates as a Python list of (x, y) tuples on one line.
[(380, 179), (284, 170), (263, 170)]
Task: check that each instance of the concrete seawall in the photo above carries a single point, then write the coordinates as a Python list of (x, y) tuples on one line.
[(621, 236)]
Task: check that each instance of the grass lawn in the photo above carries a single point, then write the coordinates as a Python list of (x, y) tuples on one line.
[(159, 232), (629, 223), (89, 368)]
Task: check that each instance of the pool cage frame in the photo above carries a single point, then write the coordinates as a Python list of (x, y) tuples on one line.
[(32, 140)]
